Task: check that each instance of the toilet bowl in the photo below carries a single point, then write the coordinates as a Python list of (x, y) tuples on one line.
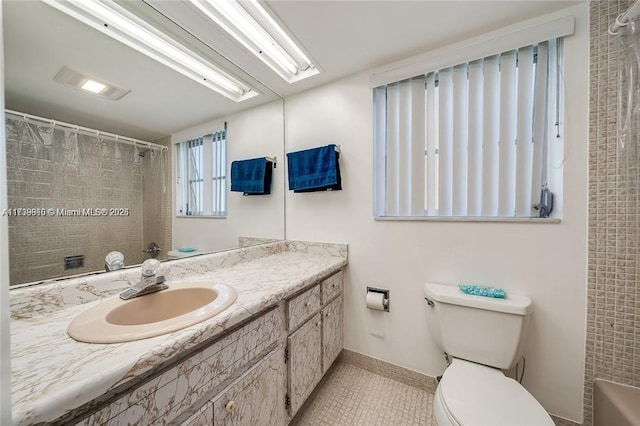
[(472, 394), (482, 336)]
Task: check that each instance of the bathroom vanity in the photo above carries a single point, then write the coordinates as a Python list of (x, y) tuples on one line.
[(254, 363)]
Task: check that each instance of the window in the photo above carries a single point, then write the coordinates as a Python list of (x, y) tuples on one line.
[(201, 176), (471, 139)]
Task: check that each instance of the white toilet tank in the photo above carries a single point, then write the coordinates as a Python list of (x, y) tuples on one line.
[(480, 329)]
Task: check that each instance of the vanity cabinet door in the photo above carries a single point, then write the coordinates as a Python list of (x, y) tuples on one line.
[(332, 334), (256, 397), (305, 362)]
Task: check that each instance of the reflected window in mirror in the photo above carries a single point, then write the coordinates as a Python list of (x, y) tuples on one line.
[(202, 175)]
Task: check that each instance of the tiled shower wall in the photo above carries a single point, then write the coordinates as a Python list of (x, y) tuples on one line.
[(613, 311), (52, 168)]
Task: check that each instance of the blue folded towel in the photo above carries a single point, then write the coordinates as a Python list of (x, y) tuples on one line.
[(314, 169), (483, 290), (251, 177)]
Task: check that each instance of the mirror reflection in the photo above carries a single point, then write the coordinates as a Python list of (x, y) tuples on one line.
[(89, 175)]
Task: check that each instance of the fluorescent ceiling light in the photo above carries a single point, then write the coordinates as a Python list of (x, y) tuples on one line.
[(115, 21), (81, 81), (250, 24), (93, 86)]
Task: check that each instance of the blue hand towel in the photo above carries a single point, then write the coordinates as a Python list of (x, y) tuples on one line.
[(251, 177), (314, 169), (483, 290)]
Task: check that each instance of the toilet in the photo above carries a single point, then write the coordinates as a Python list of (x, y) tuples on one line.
[(481, 336)]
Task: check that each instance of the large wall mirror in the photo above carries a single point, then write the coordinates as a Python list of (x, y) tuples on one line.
[(75, 194)]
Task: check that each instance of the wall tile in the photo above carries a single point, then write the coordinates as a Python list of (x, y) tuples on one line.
[(613, 313)]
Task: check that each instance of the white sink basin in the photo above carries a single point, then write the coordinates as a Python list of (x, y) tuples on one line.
[(181, 305)]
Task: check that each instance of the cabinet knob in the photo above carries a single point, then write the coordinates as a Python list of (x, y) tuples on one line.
[(333, 285), (318, 324), (231, 405), (328, 314), (308, 305)]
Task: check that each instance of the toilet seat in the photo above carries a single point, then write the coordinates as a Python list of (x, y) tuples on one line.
[(473, 394)]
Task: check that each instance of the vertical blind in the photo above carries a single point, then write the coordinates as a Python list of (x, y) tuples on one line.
[(470, 139), (219, 173), (201, 171), (195, 180)]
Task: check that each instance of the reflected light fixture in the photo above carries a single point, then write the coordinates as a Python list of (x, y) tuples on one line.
[(93, 86), (89, 84), (118, 23), (250, 24)]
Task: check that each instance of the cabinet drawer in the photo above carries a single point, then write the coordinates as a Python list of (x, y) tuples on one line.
[(302, 307), (331, 287), (256, 397)]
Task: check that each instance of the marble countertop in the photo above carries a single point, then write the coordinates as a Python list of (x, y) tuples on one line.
[(53, 374)]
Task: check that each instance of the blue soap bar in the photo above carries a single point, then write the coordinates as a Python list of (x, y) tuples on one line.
[(483, 290), (186, 249)]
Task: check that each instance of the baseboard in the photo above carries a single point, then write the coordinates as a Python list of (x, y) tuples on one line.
[(392, 371)]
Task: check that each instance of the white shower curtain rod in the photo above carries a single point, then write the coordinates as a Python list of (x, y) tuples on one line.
[(86, 130), (623, 19)]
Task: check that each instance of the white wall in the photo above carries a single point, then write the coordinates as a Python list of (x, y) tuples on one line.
[(257, 132), (5, 349), (547, 262)]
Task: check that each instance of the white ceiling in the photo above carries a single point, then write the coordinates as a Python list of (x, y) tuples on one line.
[(346, 37), (341, 37)]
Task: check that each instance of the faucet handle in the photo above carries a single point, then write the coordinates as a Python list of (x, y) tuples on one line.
[(149, 267), (113, 261)]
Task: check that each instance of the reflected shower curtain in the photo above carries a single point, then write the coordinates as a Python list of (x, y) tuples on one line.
[(157, 201), (57, 168)]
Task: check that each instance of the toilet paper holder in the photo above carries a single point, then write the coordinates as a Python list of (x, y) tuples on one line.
[(385, 296)]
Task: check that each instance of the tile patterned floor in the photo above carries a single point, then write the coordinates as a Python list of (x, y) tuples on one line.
[(350, 396)]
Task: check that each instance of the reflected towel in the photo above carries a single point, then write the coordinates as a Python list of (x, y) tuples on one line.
[(251, 177), (314, 169)]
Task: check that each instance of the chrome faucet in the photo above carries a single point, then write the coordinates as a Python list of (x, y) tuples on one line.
[(149, 281)]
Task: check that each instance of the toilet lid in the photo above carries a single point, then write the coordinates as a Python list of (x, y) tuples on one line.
[(477, 395)]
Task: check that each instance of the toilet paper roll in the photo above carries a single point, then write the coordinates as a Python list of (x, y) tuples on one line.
[(375, 301)]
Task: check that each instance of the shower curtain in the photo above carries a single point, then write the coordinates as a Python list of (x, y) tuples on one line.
[(628, 40), (627, 175)]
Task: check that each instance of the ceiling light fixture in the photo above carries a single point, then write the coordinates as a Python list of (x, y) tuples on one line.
[(115, 21), (250, 24)]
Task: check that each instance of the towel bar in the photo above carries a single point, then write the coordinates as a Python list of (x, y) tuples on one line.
[(273, 160)]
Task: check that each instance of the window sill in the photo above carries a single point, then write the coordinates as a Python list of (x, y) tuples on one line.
[(537, 220)]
